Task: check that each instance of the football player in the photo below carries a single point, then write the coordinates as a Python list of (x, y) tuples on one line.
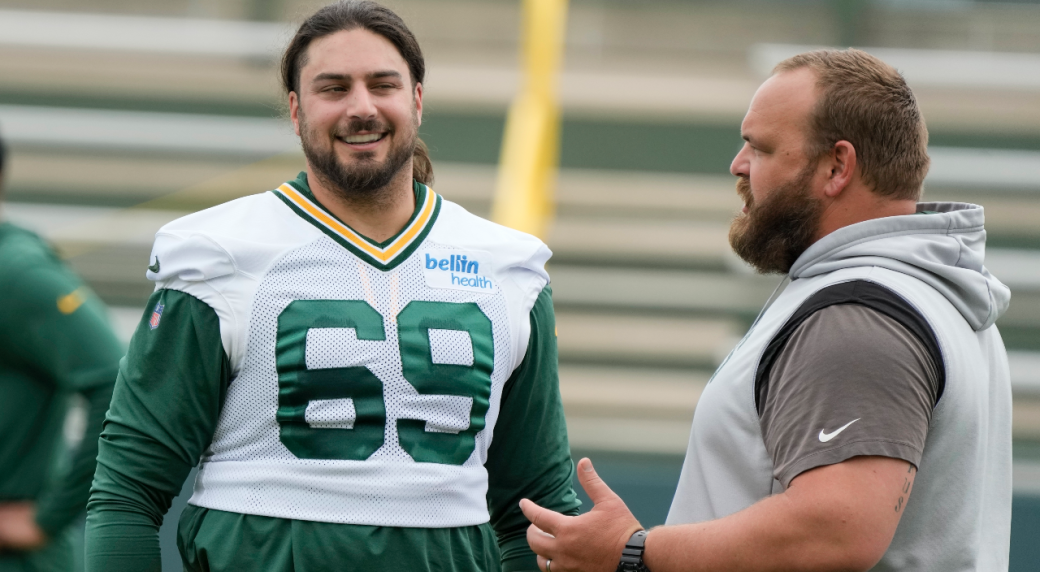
[(364, 372)]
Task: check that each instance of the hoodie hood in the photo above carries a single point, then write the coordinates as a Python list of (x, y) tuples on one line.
[(946, 250)]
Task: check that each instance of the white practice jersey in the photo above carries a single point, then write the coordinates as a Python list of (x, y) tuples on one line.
[(365, 378)]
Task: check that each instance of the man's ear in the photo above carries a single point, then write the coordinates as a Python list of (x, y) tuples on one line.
[(294, 111), (417, 96), (842, 164)]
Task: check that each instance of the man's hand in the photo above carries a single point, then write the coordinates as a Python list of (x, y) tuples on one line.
[(18, 528), (591, 542)]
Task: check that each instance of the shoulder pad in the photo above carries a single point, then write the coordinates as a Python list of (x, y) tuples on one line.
[(192, 258)]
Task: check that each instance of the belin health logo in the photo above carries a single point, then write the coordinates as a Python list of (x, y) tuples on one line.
[(458, 269)]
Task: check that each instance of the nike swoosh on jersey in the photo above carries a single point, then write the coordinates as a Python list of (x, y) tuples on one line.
[(155, 267), (824, 436)]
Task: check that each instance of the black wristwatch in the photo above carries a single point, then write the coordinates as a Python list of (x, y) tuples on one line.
[(632, 555)]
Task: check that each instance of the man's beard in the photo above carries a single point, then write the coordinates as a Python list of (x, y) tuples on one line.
[(772, 235), (365, 178)]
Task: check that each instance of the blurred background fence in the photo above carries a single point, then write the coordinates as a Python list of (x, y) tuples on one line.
[(122, 115)]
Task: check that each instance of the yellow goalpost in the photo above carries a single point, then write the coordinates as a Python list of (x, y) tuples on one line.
[(530, 146)]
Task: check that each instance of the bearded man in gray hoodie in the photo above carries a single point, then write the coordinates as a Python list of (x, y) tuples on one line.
[(864, 421)]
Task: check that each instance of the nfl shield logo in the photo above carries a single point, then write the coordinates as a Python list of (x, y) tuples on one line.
[(156, 316)]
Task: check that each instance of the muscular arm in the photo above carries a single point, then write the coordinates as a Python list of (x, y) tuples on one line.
[(530, 455), (164, 411), (837, 517)]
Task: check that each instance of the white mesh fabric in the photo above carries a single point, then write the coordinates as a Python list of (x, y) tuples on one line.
[(451, 347), (247, 469), (331, 413), (325, 348)]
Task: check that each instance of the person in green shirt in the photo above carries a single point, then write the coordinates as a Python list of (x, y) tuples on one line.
[(364, 372), (55, 341)]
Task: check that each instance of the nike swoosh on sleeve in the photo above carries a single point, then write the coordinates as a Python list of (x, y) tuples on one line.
[(824, 436)]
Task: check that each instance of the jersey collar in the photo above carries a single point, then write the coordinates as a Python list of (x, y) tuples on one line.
[(384, 255)]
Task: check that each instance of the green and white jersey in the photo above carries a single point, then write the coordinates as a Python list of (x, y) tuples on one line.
[(365, 378)]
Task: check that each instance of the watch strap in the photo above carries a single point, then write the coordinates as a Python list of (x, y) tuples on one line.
[(632, 555)]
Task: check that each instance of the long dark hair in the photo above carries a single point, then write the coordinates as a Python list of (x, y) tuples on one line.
[(348, 15)]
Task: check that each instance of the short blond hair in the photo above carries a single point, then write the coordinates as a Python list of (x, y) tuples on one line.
[(867, 102)]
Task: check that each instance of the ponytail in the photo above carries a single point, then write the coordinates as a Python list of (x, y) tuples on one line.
[(422, 167)]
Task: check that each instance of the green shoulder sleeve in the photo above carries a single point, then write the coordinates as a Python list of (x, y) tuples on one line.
[(167, 400), (530, 456)]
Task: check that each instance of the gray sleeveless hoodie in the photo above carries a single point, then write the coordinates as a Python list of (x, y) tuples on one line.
[(959, 513)]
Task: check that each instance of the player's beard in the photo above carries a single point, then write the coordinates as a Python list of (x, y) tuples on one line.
[(365, 179), (770, 236)]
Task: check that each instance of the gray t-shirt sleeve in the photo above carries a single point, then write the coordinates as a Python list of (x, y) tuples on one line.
[(850, 381)]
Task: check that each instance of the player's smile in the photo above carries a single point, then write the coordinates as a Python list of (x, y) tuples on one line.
[(365, 136), (363, 141)]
